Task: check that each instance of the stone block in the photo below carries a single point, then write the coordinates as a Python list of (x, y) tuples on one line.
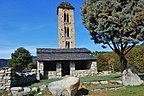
[(65, 87), (2, 71), (42, 87), (104, 82), (16, 89), (7, 77), (2, 88), (35, 89), (26, 91), (130, 77)]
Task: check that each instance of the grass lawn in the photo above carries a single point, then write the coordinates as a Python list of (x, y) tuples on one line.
[(124, 91), (83, 79), (101, 78)]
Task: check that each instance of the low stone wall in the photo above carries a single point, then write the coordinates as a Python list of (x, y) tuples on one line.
[(5, 78), (82, 73), (9, 78), (75, 73)]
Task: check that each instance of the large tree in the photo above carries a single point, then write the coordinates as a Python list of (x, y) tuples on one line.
[(118, 24), (20, 59)]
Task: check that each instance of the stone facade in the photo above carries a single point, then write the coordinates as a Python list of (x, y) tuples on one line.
[(73, 72), (66, 31)]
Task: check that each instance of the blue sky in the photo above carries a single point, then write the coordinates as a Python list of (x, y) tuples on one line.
[(33, 24)]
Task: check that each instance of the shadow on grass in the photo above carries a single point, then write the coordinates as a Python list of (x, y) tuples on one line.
[(142, 77), (82, 91)]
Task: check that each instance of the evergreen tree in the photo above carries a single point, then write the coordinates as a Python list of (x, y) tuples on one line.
[(20, 59), (118, 24)]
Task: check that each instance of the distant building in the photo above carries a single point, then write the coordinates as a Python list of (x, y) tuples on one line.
[(66, 59), (3, 62)]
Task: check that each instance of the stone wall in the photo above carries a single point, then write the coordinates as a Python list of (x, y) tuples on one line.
[(10, 78), (82, 73), (5, 78), (73, 71)]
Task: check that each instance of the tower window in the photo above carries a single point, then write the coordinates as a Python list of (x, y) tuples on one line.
[(67, 17), (66, 34), (65, 30), (67, 44), (64, 17)]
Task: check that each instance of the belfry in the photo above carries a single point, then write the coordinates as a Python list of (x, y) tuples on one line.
[(66, 31), (66, 59)]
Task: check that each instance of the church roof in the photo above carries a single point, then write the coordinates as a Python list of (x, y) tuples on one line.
[(65, 5), (48, 54)]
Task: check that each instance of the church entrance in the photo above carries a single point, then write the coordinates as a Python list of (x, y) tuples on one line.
[(65, 68)]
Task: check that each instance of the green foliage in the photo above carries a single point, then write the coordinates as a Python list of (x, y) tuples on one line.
[(32, 65), (115, 23), (136, 57), (20, 59), (108, 60), (114, 20), (102, 63)]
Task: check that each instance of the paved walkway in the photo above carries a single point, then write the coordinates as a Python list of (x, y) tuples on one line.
[(102, 87)]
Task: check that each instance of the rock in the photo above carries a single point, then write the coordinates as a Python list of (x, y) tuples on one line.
[(40, 93), (42, 87), (130, 77), (118, 81), (65, 87), (26, 91), (2, 71), (35, 89), (2, 88), (104, 82), (6, 77), (16, 89)]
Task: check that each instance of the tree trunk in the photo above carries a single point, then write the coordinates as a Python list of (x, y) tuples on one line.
[(123, 62)]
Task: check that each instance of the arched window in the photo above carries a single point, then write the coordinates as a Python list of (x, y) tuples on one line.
[(67, 17), (67, 44), (67, 32), (64, 17)]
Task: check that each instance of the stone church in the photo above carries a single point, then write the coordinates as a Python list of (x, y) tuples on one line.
[(66, 59)]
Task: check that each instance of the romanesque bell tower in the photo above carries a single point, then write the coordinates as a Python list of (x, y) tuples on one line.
[(66, 31)]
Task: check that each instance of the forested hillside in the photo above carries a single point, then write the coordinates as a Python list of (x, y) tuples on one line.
[(109, 60)]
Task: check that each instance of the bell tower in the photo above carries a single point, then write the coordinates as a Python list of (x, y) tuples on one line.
[(66, 31)]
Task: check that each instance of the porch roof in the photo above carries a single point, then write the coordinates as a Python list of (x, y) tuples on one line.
[(49, 54)]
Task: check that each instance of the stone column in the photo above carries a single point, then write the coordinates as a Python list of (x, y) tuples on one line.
[(58, 70), (72, 68), (40, 70), (93, 67)]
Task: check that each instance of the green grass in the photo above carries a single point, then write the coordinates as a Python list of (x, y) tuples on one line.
[(124, 91), (82, 79), (100, 78), (44, 82)]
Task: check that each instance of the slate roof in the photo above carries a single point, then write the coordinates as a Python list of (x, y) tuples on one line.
[(65, 5), (48, 54)]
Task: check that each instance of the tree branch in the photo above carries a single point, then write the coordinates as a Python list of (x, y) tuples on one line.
[(110, 46), (116, 49), (129, 49), (124, 47)]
